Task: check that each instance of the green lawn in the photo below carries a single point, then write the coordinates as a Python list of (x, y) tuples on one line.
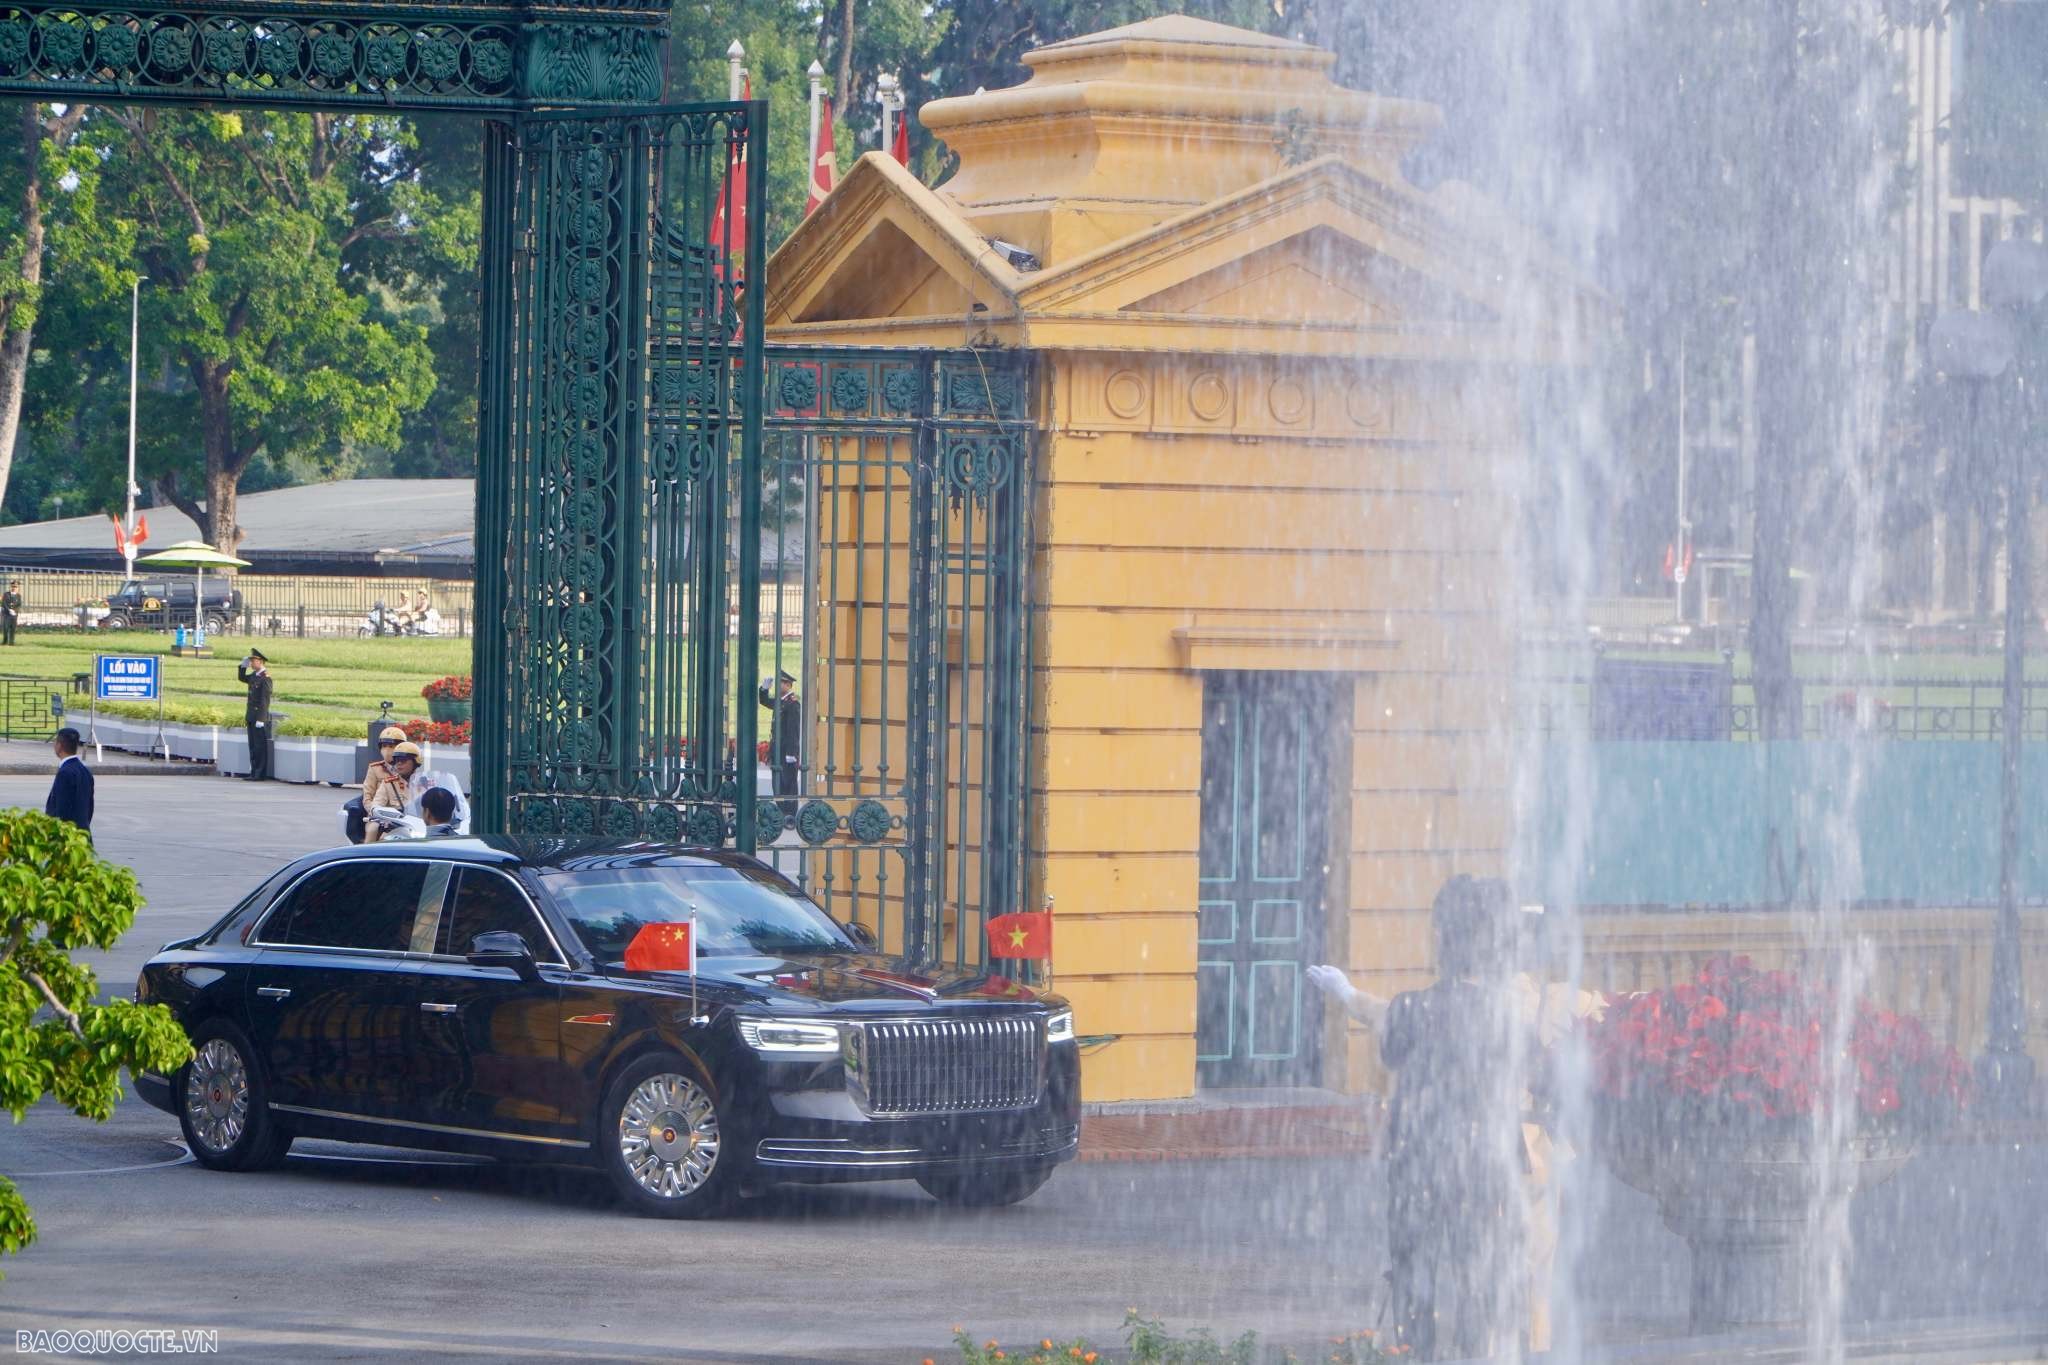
[(323, 687)]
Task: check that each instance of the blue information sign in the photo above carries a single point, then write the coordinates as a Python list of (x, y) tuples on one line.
[(126, 677)]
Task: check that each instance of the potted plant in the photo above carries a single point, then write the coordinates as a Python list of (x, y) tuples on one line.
[(448, 699), (1746, 1101)]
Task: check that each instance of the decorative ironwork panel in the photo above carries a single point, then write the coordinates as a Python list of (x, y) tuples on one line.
[(623, 428), (896, 493), (435, 56)]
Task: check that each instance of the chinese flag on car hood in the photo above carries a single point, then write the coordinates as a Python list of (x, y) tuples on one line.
[(666, 947), (1026, 934)]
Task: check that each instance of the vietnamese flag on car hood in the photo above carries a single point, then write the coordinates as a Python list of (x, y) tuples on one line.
[(1026, 934), (666, 947)]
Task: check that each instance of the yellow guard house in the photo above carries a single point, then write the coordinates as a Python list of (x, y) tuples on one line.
[(1277, 402)]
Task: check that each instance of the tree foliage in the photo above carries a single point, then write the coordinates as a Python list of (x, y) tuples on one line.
[(293, 265), (57, 897)]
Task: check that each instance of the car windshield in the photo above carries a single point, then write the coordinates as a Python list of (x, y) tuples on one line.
[(740, 911)]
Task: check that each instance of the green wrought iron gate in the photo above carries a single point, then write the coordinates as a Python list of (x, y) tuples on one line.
[(897, 488), (616, 434), (656, 456)]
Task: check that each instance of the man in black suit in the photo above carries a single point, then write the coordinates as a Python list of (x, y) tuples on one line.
[(10, 611), (254, 672), (71, 794), (785, 744)]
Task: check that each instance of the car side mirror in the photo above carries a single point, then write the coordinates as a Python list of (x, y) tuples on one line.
[(504, 948), (862, 935)]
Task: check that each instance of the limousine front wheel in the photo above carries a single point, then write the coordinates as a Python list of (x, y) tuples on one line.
[(222, 1107), (663, 1143)]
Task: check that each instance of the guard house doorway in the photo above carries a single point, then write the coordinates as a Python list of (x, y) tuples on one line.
[(1268, 790)]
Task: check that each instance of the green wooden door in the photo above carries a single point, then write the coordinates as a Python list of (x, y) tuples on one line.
[(1265, 843)]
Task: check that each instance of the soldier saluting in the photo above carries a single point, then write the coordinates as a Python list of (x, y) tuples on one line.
[(254, 672), (785, 744)]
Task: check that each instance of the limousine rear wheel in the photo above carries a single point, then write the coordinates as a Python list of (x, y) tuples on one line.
[(222, 1106), (662, 1141), (985, 1188)]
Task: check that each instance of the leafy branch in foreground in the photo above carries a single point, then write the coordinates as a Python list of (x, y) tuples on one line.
[(56, 897)]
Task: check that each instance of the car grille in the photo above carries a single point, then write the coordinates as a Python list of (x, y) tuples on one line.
[(952, 1066)]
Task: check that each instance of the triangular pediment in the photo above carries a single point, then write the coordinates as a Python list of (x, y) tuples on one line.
[(881, 245), (1317, 275), (1324, 242)]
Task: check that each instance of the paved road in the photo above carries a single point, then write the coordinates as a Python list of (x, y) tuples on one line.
[(351, 1254)]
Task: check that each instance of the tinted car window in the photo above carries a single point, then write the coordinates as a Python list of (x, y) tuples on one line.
[(486, 901), (352, 905), (740, 911)]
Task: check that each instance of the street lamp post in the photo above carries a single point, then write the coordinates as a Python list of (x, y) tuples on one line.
[(1978, 348), (134, 351)]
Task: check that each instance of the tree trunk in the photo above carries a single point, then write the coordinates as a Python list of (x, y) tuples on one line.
[(1782, 395), (843, 86), (223, 465), (18, 333)]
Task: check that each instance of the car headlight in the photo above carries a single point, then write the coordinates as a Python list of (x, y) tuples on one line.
[(788, 1036), (1059, 1027)]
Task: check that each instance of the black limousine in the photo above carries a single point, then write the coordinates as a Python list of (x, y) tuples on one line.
[(473, 995)]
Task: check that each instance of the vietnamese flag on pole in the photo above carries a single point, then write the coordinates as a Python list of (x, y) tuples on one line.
[(827, 164), (1026, 934), (120, 537), (729, 211), (666, 947)]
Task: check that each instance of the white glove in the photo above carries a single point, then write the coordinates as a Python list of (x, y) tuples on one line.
[(1332, 982)]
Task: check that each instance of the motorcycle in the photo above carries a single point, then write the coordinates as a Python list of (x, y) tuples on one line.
[(381, 620), (353, 819)]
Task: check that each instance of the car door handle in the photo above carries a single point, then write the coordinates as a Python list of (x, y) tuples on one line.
[(431, 1007), (274, 992)]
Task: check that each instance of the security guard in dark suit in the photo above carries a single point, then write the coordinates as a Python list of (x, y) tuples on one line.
[(254, 673), (785, 743), (10, 611)]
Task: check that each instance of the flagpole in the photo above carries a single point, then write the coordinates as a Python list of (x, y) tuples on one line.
[(885, 95), (134, 370), (734, 72), (817, 74)]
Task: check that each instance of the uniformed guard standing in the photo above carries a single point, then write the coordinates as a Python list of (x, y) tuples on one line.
[(254, 673), (785, 744), (10, 611)]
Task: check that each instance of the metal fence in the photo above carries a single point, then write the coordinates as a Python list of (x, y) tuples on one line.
[(1920, 708), (31, 708)]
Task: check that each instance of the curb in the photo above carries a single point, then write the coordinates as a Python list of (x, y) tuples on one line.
[(115, 770)]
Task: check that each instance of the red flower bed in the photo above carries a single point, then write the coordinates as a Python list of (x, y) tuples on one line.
[(455, 687), (1738, 1046), (437, 731)]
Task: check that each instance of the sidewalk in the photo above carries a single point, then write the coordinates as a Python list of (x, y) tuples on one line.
[(33, 757), (1233, 1123)]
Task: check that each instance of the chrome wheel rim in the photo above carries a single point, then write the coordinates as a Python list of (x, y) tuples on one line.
[(668, 1136), (217, 1095)]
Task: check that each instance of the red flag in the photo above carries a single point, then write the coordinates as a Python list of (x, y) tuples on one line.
[(729, 214), (901, 150), (824, 169), (141, 531), (120, 537), (666, 947), (1025, 934)]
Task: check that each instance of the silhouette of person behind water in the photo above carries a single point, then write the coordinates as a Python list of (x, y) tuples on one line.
[(1455, 1161)]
